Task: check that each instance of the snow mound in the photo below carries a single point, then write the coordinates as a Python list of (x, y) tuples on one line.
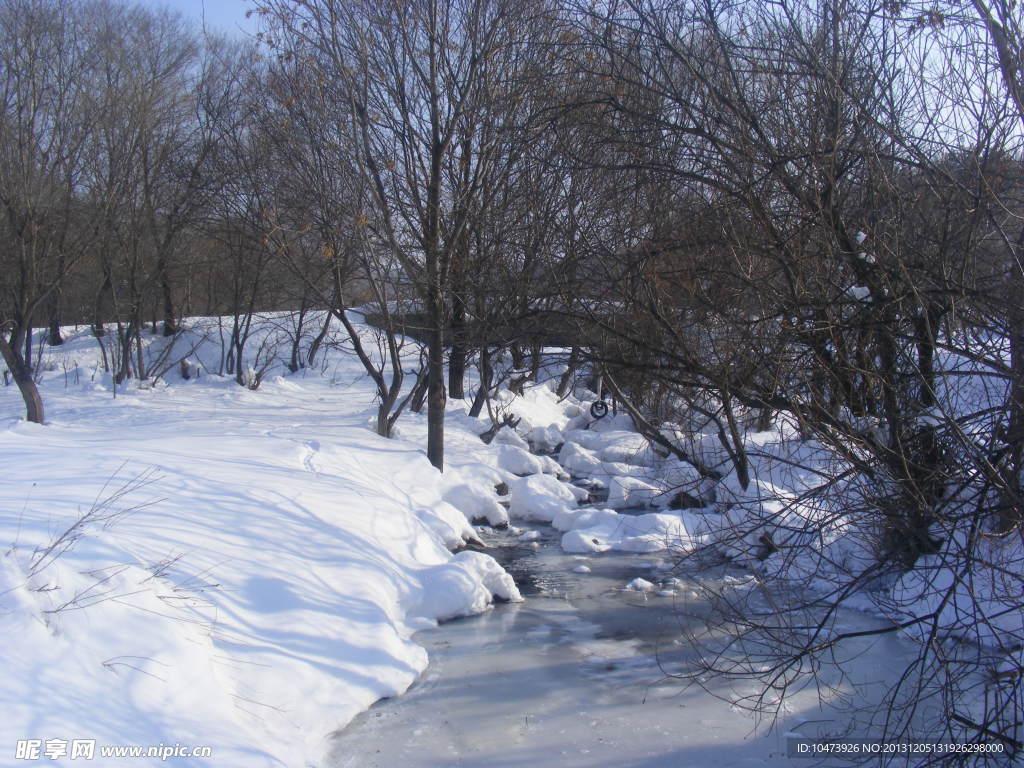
[(520, 462), (627, 448), (577, 460), (581, 541), (477, 501), (621, 422), (541, 497), (601, 530), (545, 439), (537, 407), (463, 586), (450, 524), (626, 492), (640, 585), (506, 436), (993, 592)]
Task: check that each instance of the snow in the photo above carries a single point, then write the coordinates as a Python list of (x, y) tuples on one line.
[(541, 497), (626, 447), (463, 586), (578, 460), (477, 501), (546, 439), (626, 492), (982, 606), (260, 586), (267, 572), (510, 437), (537, 407), (600, 530), (582, 541), (521, 462), (640, 585)]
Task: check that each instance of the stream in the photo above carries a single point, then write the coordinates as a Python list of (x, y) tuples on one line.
[(580, 674)]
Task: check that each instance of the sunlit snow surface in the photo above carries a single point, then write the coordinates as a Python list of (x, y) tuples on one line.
[(271, 590), (266, 592)]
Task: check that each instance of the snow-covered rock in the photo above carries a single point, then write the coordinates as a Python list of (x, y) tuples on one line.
[(541, 497), (624, 492), (640, 585), (506, 436), (599, 530), (620, 422), (477, 501), (463, 586), (583, 541), (545, 439), (627, 448), (448, 522), (578, 460), (518, 461)]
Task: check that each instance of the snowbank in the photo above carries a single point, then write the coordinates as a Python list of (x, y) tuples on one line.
[(258, 592)]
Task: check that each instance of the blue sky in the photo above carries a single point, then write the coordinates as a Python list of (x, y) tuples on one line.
[(226, 16)]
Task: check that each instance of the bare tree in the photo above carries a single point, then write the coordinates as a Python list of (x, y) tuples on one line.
[(417, 80), (807, 226), (46, 123)]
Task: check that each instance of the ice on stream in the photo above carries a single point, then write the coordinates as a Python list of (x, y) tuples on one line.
[(583, 673)]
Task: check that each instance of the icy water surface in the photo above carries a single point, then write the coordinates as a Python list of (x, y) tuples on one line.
[(579, 675)]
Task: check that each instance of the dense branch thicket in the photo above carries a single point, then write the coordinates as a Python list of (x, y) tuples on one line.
[(797, 217)]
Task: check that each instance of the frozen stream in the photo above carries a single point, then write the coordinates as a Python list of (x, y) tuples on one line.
[(576, 676)]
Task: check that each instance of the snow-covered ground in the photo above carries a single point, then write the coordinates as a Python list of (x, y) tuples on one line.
[(200, 564), (195, 563)]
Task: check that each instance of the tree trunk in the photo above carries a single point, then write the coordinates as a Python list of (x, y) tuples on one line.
[(536, 355), (124, 359), (23, 378), (296, 363), (315, 346), (419, 394), (436, 395), (170, 321), (97, 308), (457, 356), (53, 337), (565, 382), (486, 376), (518, 358)]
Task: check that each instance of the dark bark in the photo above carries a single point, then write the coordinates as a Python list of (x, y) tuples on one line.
[(925, 331), (106, 288), (170, 321), (295, 363), (53, 336), (436, 395), (457, 356), (319, 340), (518, 358), (565, 382), (486, 378), (419, 395), (23, 378)]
